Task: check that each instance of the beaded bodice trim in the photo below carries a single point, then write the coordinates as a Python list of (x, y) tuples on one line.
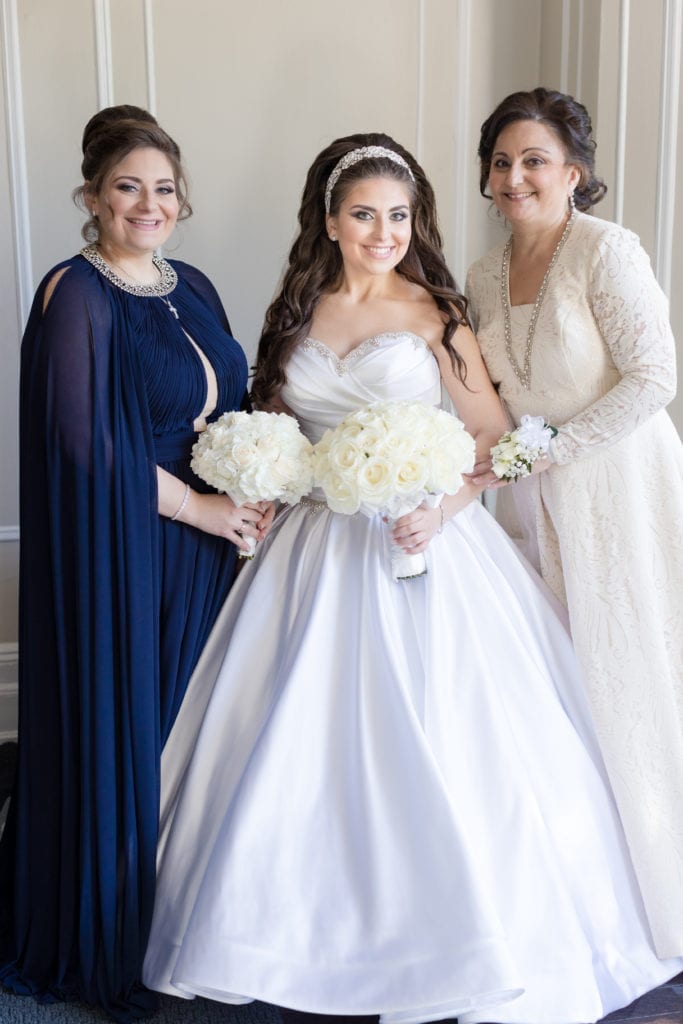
[(167, 281), (341, 364)]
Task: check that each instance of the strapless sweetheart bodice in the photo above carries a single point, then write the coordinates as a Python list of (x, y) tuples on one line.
[(322, 389)]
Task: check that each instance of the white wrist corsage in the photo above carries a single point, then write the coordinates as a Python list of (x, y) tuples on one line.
[(517, 450)]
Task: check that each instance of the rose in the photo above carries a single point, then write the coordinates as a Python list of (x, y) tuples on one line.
[(411, 477), (443, 472), (242, 452), (371, 438), (344, 454), (398, 443), (341, 494), (376, 480)]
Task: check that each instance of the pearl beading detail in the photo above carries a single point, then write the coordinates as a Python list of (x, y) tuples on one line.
[(341, 364)]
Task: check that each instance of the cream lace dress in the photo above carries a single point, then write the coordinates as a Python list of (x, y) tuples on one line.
[(604, 525)]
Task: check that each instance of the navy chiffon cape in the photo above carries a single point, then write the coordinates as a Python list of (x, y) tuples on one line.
[(116, 603)]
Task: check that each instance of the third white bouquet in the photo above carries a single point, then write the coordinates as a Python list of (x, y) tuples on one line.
[(389, 458), (514, 455)]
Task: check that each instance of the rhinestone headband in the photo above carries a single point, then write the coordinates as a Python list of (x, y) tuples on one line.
[(354, 157)]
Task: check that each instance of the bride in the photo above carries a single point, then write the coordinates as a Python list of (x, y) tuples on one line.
[(385, 797)]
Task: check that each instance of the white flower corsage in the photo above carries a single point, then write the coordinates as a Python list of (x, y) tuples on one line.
[(517, 450)]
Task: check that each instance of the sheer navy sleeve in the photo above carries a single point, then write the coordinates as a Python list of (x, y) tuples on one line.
[(80, 844)]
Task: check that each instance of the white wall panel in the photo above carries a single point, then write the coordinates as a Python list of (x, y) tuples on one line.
[(505, 56), (271, 86), (676, 297), (60, 93), (13, 259), (128, 52), (642, 137)]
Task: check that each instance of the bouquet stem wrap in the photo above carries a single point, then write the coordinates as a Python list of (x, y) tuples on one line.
[(405, 566)]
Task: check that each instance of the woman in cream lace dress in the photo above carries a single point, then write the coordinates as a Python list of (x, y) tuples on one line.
[(573, 327)]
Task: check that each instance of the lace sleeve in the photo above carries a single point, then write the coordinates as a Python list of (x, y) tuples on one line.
[(631, 313)]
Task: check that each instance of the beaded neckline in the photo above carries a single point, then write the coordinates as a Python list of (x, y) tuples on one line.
[(340, 363), (167, 281), (523, 373)]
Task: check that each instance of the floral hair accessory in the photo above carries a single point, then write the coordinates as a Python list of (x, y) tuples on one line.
[(354, 157), (517, 450)]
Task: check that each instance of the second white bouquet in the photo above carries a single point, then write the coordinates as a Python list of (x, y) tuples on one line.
[(258, 456), (390, 457)]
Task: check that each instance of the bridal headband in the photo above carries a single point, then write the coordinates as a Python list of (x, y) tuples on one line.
[(354, 157)]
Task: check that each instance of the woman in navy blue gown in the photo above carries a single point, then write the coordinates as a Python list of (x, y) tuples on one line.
[(125, 561)]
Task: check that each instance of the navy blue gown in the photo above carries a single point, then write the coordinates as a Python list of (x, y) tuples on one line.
[(116, 603)]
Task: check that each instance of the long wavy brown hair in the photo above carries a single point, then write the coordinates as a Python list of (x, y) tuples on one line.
[(316, 266)]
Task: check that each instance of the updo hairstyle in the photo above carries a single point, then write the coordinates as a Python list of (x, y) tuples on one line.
[(108, 137), (566, 117)]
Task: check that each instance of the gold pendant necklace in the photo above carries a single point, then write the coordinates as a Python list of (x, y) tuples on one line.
[(523, 374)]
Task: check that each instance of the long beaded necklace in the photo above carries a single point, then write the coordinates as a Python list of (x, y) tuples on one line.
[(523, 375)]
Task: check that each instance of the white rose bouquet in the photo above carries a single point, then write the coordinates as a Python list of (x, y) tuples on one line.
[(517, 450), (258, 456), (390, 457)]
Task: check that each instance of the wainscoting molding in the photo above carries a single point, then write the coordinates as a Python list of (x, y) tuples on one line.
[(622, 106), (9, 664), (668, 140), (103, 53), (462, 184), (150, 68), (16, 142)]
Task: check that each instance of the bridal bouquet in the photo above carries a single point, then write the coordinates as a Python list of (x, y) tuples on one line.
[(517, 450), (258, 456), (391, 457)]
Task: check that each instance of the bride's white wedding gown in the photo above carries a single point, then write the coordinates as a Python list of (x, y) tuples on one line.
[(384, 797)]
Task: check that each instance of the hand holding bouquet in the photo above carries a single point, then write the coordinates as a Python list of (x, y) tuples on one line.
[(390, 457), (251, 457), (517, 450)]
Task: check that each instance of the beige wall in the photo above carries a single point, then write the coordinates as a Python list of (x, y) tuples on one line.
[(253, 90)]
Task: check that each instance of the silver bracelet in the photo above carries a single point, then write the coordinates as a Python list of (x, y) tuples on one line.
[(183, 503), (442, 518)]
